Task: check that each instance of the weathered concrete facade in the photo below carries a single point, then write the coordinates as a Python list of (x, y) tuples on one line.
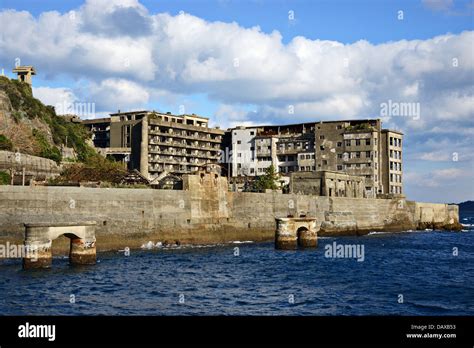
[(157, 143), (205, 212), (25, 167), (327, 183), (353, 147)]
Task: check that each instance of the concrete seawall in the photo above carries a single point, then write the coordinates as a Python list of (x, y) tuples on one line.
[(204, 212)]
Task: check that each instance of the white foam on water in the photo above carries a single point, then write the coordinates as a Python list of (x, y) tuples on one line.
[(241, 242), (373, 233), (394, 232)]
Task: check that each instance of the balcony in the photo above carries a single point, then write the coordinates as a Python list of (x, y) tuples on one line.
[(174, 134)]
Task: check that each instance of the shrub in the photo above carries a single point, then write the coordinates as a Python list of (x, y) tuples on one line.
[(5, 143), (5, 178), (97, 168), (46, 150)]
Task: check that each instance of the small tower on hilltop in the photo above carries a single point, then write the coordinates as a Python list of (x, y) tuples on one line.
[(25, 73)]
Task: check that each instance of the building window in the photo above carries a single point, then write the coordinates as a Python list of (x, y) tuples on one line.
[(339, 143), (357, 154), (321, 137), (367, 154), (325, 162), (339, 155), (314, 167), (348, 143), (239, 142), (357, 142), (308, 156), (252, 133), (239, 154), (339, 126), (339, 167), (367, 141), (391, 141)]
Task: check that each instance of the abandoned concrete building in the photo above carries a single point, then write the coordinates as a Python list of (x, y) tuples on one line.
[(156, 143), (327, 183), (24, 73), (360, 148)]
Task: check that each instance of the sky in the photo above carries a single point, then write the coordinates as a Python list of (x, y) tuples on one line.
[(250, 62)]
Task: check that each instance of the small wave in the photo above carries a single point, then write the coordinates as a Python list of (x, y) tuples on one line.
[(241, 242), (374, 233)]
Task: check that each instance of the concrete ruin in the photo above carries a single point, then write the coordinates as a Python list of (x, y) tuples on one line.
[(24, 73), (328, 183), (206, 212), (292, 233), (39, 237)]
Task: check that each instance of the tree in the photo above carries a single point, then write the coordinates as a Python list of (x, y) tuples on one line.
[(267, 181)]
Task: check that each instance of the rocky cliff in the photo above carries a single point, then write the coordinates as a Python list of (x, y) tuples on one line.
[(30, 127)]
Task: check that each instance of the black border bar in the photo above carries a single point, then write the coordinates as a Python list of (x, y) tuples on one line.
[(136, 331)]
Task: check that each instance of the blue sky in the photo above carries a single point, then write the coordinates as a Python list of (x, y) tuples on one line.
[(248, 62)]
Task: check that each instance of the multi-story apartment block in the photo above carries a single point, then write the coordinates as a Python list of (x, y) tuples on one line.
[(157, 143), (354, 147), (392, 161), (256, 148)]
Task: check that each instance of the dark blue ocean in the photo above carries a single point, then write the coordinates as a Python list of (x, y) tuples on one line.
[(409, 273)]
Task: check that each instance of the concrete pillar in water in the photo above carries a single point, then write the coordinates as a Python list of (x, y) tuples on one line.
[(37, 254), (307, 238), (83, 250), (285, 236)]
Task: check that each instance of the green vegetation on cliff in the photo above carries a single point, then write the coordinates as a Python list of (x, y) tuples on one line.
[(5, 143), (27, 108), (4, 178)]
